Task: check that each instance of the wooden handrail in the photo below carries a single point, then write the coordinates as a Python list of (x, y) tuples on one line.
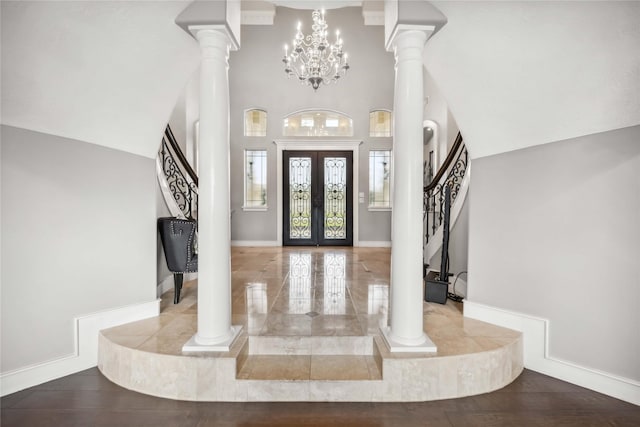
[(445, 166), (176, 148)]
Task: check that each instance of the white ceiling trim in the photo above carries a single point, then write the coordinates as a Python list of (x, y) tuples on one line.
[(257, 17), (325, 4)]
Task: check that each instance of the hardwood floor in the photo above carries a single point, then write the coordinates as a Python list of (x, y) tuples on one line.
[(88, 399)]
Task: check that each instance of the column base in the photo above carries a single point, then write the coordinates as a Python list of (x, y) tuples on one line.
[(424, 345), (224, 345)]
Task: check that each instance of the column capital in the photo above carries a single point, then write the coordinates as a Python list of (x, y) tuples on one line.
[(213, 35), (223, 15), (404, 15), (409, 42), (409, 36)]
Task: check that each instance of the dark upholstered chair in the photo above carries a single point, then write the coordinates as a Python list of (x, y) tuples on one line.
[(178, 239)]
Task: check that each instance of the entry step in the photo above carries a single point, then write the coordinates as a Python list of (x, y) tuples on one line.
[(310, 368)]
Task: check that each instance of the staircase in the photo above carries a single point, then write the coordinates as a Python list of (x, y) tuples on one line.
[(178, 181), (454, 173)]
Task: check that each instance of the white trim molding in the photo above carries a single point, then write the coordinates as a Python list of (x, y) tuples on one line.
[(535, 333), (258, 17), (375, 243), (257, 243), (318, 145), (85, 355)]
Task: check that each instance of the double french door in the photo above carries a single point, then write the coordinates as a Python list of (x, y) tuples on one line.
[(318, 198)]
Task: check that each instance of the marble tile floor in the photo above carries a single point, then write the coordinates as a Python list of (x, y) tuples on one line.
[(310, 320)]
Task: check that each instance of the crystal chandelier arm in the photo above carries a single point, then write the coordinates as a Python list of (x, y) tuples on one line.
[(313, 60)]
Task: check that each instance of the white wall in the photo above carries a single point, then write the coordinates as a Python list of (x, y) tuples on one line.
[(517, 74), (105, 72), (257, 79), (78, 236), (555, 234), (436, 110), (178, 122), (163, 274)]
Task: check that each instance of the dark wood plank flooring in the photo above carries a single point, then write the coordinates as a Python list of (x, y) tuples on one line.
[(89, 399)]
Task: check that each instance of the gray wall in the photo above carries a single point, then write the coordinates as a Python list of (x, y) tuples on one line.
[(178, 124), (555, 233), (78, 233), (162, 271), (257, 79)]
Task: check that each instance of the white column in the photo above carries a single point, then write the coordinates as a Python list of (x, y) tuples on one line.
[(215, 332), (406, 331)]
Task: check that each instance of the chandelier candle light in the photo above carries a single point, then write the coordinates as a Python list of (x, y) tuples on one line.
[(313, 60)]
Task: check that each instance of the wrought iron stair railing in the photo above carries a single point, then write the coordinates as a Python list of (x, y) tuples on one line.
[(182, 180), (450, 174)]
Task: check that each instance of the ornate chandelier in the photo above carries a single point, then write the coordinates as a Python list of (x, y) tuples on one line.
[(313, 60)]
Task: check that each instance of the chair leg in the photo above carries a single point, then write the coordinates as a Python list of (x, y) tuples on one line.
[(177, 287)]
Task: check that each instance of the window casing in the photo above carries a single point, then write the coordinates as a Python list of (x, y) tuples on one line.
[(380, 179), (255, 180), (255, 122), (380, 123)]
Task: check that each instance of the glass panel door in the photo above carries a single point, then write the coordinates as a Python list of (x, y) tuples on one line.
[(300, 197), (335, 194), (318, 198)]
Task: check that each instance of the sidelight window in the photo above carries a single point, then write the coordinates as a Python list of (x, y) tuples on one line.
[(255, 180), (380, 179)]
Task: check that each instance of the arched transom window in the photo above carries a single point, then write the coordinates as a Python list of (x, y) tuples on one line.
[(255, 122), (317, 123)]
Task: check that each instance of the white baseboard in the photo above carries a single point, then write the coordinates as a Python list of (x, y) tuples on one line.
[(254, 243), (535, 333), (374, 244), (85, 354), (262, 243)]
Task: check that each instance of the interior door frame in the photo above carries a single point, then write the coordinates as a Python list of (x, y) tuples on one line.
[(318, 193), (318, 145)]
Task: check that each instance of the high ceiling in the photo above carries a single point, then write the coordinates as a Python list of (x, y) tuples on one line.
[(513, 74), (107, 73), (518, 74)]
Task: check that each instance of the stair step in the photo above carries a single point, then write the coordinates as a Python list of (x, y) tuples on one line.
[(311, 345), (310, 368)]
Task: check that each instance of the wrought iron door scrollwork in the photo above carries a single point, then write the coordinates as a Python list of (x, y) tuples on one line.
[(335, 194), (300, 194)]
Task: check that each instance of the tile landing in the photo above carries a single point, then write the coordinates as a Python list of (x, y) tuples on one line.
[(309, 337)]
